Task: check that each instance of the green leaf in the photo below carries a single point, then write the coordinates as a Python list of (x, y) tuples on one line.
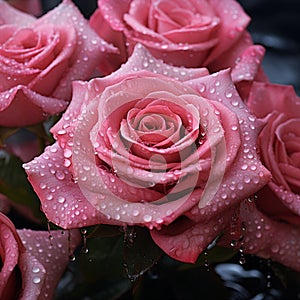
[(104, 258), (215, 255), (104, 231), (14, 185), (140, 252)]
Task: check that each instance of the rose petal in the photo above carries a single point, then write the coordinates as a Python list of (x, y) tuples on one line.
[(288, 198), (266, 140), (10, 248), (248, 64), (62, 201), (44, 262), (22, 106), (184, 239), (261, 100), (251, 172), (12, 69), (89, 48), (141, 59), (112, 61), (269, 239), (279, 204), (233, 23), (9, 254)]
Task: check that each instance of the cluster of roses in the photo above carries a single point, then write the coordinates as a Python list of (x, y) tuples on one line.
[(179, 131)]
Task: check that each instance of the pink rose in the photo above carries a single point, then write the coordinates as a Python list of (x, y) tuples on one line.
[(261, 234), (39, 58), (272, 224), (151, 145), (279, 146), (30, 266), (210, 33)]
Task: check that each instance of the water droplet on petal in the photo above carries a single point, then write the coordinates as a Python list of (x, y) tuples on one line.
[(36, 280), (147, 218)]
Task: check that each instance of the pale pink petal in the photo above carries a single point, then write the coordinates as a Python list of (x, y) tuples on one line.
[(111, 61), (246, 174), (142, 32), (114, 11), (106, 23), (141, 59), (233, 23), (90, 49), (248, 64), (21, 106), (267, 238), (184, 239), (13, 73), (261, 100), (62, 200), (45, 260)]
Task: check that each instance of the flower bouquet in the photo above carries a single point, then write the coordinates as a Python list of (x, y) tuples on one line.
[(144, 148)]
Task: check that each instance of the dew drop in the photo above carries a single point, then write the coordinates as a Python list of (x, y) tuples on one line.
[(85, 250), (60, 175), (201, 88), (72, 257), (244, 167), (242, 260), (67, 153), (36, 280), (212, 90), (135, 213), (147, 218), (234, 103), (258, 235), (61, 199), (275, 248), (233, 243), (35, 269)]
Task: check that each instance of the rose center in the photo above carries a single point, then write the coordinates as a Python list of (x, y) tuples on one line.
[(23, 39), (152, 123)]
